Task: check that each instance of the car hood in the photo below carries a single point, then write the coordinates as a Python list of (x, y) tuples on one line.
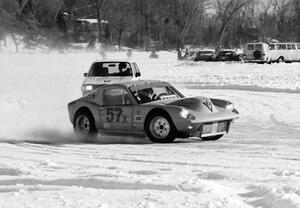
[(193, 103), (201, 107)]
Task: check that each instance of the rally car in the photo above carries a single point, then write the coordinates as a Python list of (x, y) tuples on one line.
[(152, 108), (108, 72)]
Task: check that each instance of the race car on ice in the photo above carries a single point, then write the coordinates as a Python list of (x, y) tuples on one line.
[(150, 107), (109, 72)]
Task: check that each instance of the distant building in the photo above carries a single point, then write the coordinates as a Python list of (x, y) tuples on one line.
[(84, 30)]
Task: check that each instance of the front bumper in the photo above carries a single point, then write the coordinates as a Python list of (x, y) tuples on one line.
[(208, 129)]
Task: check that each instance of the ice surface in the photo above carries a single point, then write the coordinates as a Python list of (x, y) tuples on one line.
[(42, 165)]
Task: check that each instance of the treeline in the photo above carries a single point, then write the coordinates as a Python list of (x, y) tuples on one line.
[(167, 24)]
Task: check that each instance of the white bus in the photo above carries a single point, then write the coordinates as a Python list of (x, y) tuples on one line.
[(284, 52), (272, 52)]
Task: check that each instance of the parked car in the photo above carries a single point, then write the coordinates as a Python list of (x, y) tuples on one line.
[(108, 72), (187, 55), (229, 55), (204, 55), (152, 108)]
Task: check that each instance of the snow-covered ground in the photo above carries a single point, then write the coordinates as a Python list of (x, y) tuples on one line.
[(42, 165)]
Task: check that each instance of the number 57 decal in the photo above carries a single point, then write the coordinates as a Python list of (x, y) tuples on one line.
[(114, 115)]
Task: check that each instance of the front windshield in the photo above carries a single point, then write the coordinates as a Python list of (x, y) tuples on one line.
[(150, 94), (106, 69)]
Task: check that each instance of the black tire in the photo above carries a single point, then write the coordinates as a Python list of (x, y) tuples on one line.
[(160, 128), (212, 138), (280, 59), (84, 126), (257, 55)]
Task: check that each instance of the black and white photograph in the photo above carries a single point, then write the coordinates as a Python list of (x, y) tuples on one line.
[(149, 103)]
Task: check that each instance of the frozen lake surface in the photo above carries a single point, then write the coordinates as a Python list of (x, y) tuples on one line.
[(43, 165)]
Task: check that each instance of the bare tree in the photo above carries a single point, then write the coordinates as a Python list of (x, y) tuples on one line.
[(226, 10), (101, 7)]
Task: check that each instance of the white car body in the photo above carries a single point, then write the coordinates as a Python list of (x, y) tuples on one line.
[(284, 52), (256, 52), (272, 52), (107, 72)]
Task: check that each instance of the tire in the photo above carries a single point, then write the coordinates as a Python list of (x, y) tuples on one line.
[(160, 128), (84, 127), (212, 138), (257, 55), (280, 59)]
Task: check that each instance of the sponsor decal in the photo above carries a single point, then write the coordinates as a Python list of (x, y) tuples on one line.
[(138, 119)]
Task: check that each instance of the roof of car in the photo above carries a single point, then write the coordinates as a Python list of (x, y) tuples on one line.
[(211, 50), (113, 60)]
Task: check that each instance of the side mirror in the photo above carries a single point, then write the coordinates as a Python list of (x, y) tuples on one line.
[(138, 74), (85, 74)]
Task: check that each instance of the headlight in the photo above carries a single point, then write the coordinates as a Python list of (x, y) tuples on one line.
[(230, 106), (184, 113), (87, 87)]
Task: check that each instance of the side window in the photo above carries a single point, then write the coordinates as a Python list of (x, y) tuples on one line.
[(298, 45), (293, 47), (258, 47), (271, 47), (136, 67), (282, 46), (289, 47), (250, 47), (115, 96)]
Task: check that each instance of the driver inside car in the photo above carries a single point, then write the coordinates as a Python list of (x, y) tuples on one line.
[(146, 95), (124, 70)]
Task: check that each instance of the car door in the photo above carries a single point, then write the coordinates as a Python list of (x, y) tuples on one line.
[(116, 109)]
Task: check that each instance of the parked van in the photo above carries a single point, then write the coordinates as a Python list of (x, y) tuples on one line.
[(256, 52), (272, 52), (284, 52)]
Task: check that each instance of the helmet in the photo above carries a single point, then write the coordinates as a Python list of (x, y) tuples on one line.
[(147, 91), (122, 65)]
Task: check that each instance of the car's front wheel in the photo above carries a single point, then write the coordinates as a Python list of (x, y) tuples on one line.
[(160, 129), (84, 127), (212, 138)]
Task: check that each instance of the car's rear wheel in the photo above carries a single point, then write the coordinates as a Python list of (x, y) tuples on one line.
[(160, 129), (84, 127), (212, 138)]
